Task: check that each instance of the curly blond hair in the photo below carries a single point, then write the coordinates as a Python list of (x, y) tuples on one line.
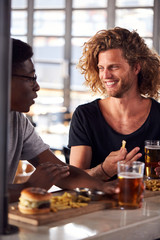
[(134, 51)]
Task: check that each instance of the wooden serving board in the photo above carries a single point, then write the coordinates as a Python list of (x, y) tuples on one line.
[(149, 193), (41, 219)]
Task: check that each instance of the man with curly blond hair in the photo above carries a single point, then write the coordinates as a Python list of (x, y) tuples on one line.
[(118, 64)]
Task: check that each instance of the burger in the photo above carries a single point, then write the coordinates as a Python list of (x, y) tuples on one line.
[(34, 200)]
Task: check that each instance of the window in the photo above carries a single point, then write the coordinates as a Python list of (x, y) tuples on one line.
[(137, 15), (57, 31)]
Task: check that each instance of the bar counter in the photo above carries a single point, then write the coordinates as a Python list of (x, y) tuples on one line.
[(143, 223)]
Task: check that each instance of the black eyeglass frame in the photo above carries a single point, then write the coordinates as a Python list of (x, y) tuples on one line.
[(33, 79)]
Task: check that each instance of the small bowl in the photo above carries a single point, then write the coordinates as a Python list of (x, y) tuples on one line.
[(95, 195), (82, 191)]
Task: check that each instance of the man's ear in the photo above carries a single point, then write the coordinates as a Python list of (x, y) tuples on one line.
[(137, 68)]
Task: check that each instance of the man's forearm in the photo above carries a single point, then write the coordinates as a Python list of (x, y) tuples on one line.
[(79, 178), (98, 173)]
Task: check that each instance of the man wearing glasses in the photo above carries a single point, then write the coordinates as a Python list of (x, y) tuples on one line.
[(24, 142)]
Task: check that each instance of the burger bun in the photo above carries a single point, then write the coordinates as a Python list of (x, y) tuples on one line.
[(34, 200)]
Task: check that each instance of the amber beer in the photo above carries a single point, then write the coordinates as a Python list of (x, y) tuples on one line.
[(130, 179), (130, 185), (152, 157)]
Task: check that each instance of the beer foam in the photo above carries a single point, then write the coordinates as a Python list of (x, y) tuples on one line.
[(153, 147), (129, 175)]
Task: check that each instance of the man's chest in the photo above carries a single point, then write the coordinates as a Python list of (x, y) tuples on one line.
[(125, 126)]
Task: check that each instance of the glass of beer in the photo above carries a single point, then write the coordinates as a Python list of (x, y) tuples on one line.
[(130, 179), (152, 157)]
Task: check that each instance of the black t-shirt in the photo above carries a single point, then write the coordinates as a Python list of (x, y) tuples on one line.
[(88, 127)]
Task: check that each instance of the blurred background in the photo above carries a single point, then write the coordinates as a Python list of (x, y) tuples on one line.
[(57, 29)]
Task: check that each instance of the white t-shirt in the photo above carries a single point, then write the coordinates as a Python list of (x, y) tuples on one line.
[(24, 142)]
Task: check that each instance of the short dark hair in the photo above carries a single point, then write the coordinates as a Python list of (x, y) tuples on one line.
[(21, 51)]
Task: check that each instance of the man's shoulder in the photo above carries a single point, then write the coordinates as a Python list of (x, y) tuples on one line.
[(20, 121), (90, 106), (155, 109), (155, 103)]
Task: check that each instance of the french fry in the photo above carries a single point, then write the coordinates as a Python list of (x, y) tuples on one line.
[(153, 185), (68, 200), (123, 143), (83, 199)]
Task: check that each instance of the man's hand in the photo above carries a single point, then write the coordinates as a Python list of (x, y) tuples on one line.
[(110, 162), (140, 200), (111, 188), (47, 174), (157, 170)]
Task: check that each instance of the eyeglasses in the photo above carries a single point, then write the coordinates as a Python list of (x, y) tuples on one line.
[(30, 79)]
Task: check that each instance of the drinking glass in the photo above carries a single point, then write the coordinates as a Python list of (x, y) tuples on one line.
[(130, 179), (152, 157)]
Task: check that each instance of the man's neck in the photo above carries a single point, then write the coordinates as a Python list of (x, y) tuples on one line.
[(125, 115), (126, 105), (125, 108)]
